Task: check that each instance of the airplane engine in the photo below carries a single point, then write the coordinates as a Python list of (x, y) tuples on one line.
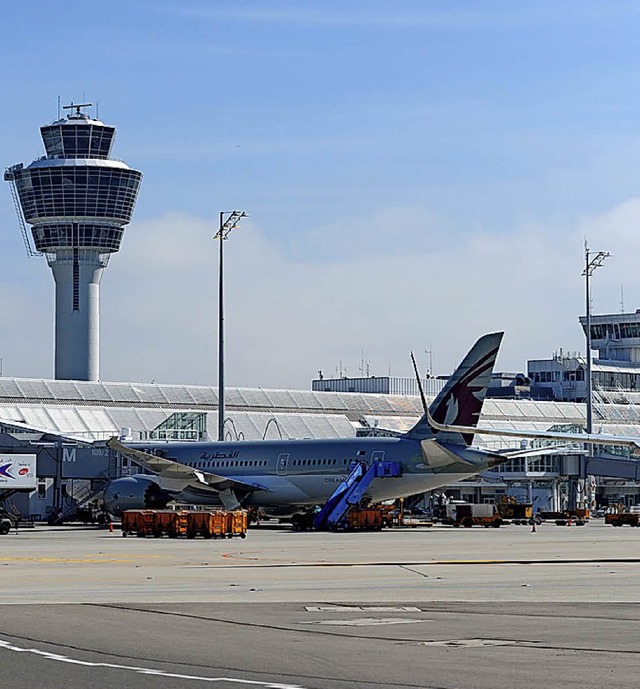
[(134, 493)]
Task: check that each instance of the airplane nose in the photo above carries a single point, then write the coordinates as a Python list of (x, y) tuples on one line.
[(110, 497)]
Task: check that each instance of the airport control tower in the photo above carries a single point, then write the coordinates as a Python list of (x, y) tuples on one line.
[(77, 201)]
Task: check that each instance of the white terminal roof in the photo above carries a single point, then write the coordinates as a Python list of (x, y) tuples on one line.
[(97, 410)]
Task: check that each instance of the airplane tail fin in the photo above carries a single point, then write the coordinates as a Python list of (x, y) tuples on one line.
[(460, 401)]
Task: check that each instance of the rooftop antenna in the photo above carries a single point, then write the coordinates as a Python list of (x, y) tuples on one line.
[(364, 365), (97, 110), (430, 353), (58, 106), (77, 107), (621, 298)]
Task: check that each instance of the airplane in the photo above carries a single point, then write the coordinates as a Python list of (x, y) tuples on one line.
[(288, 478)]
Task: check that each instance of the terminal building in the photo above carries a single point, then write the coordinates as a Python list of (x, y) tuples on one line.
[(615, 371), (64, 422)]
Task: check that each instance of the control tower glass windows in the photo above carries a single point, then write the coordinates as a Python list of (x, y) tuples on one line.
[(629, 330), (615, 331), (57, 236), (77, 140), (78, 192)]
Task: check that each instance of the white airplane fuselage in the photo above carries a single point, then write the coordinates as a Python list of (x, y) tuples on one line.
[(298, 472)]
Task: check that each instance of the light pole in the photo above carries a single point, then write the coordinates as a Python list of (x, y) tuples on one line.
[(229, 220), (591, 263)]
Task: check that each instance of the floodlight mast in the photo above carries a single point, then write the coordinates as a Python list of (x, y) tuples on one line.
[(591, 263), (229, 220)]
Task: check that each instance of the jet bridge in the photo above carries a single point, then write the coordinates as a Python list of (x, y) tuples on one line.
[(349, 493)]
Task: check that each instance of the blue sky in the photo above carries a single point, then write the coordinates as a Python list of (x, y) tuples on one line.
[(416, 172)]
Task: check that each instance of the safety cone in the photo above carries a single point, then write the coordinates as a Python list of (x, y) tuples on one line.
[(569, 521), (110, 527), (533, 527)]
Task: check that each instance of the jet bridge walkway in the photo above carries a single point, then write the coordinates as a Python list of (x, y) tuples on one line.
[(349, 493)]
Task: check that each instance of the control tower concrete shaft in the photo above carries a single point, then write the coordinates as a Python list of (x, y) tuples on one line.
[(77, 201)]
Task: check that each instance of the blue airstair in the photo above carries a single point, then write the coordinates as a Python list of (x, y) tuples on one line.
[(349, 493)]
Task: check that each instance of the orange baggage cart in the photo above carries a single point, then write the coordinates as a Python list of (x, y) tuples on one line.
[(138, 522), (237, 524)]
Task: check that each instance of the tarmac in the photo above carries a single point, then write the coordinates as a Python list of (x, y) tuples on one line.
[(436, 608)]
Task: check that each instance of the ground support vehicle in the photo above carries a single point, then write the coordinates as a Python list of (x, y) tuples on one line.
[(6, 522), (154, 523), (618, 516), (468, 514), (237, 523), (138, 522), (391, 515), (577, 517), (351, 492), (515, 512), (363, 519), (175, 523), (208, 524)]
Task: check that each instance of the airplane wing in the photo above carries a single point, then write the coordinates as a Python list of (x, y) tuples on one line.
[(170, 469), (589, 438), (535, 451)]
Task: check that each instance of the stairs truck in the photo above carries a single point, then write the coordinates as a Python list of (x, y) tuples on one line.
[(348, 496)]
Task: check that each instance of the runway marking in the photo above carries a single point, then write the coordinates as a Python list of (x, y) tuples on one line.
[(362, 608), (144, 670), (365, 622), (471, 643), (79, 560), (421, 563)]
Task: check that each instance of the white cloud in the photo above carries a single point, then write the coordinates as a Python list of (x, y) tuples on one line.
[(26, 324), (400, 283)]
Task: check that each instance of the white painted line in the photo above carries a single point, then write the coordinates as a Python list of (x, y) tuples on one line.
[(364, 621), (144, 670), (361, 608), (470, 643)]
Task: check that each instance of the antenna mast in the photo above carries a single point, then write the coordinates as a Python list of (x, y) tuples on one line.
[(77, 106)]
